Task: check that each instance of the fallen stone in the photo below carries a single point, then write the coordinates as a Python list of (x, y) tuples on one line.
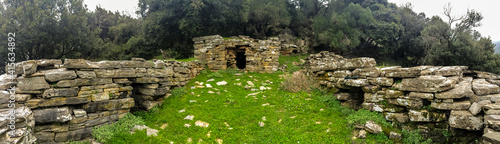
[(373, 127), (465, 120), (482, 87)]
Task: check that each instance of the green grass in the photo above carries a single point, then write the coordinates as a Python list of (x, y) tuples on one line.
[(288, 60), (290, 117)]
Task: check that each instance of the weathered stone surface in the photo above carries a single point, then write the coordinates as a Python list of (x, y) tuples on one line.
[(79, 112), (348, 96), (54, 127), (86, 74), (159, 73), (400, 72), (60, 92), (410, 103), (373, 127), (6, 81), (421, 95), (153, 92), (49, 115), (79, 64), (29, 67), (32, 83), (369, 97), (491, 138), (136, 64), (465, 120), (382, 81), (45, 137), (122, 81), (59, 74), (426, 84), (393, 93), (492, 121), (115, 73), (482, 87), (73, 135), (371, 88), (149, 131), (487, 75), (146, 80), (356, 82), (399, 117), (491, 106), (463, 105), (366, 72), (63, 101), (342, 74), (475, 108), (425, 116), (48, 62), (450, 70), (461, 90), (107, 105)]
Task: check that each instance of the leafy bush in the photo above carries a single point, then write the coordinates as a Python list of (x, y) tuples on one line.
[(298, 81), (414, 137), (178, 92), (106, 132), (215, 75)]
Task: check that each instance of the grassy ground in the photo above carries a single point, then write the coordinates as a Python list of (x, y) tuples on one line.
[(234, 114)]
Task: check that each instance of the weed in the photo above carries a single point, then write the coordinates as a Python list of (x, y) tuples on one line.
[(179, 92), (298, 81), (363, 115), (215, 75), (414, 137)]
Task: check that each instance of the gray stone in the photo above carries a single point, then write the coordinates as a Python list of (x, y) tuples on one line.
[(369, 97), (59, 74), (149, 131), (426, 116), (463, 89), (371, 88), (342, 74), (6, 81), (367, 72), (428, 96), (465, 120), (29, 67), (450, 70), (487, 75), (491, 138), (48, 62), (393, 93), (146, 80), (492, 121), (75, 135), (86, 74), (115, 73), (373, 127), (475, 108), (463, 105), (60, 92), (399, 117), (400, 72), (356, 82), (45, 137), (51, 115), (426, 84), (79, 112), (491, 106), (410, 103), (482, 87), (32, 83)]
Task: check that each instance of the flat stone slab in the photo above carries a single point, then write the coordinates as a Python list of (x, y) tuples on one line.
[(491, 138), (426, 84), (465, 120)]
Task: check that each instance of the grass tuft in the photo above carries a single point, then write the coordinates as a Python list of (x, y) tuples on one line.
[(107, 132)]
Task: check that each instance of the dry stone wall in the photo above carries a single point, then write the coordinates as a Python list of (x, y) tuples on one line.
[(58, 102), (222, 53), (430, 98)]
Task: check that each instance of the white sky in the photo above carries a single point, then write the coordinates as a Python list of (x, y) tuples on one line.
[(127, 6), (489, 9)]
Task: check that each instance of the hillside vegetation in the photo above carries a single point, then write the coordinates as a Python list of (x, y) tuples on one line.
[(376, 28)]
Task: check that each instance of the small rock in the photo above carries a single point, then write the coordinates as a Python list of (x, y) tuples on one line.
[(373, 127), (193, 87), (192, 101), (237, 79), (201, 124), (264, 118), (238, 74), (266, 104), (292, 117), (209, 86), (187, 125), (394, 135), (219, 141), (210, 80), (262, 88), (189, 140), (189, 117), (211, 92), (261, 124), (149, 131), (164, 126), (221, 83), (182, 110), (248, 87), (238, 84), (254, 89), (250, 83), (362, 134)]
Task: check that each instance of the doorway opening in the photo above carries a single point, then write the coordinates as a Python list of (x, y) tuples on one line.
[(241, 58)]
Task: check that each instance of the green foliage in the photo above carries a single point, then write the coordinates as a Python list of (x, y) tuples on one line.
[(106, 132), (414, 137), (178, 92), (215, 75), (362, 116)]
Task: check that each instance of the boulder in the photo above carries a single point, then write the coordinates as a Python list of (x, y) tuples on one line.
[(51, 115), (461, 90), (482, 87), (372, 127), (426, 84), (32, 83), (463, 105), (59, 74), (465, 120)]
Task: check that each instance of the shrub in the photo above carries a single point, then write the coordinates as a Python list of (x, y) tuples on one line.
[(298, 81), (215, 75), (106, 132)]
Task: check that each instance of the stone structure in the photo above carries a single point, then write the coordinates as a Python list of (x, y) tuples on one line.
[(238, 52), (292, 45), (58, 102), (433, 98)]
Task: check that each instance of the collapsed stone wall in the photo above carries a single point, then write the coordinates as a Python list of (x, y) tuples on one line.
[(431, 98), (220, 53), (293, 45), (58, 102)]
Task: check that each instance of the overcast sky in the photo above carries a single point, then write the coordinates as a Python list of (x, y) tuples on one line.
[(489, 8)]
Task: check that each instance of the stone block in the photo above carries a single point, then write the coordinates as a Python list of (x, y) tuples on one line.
[(60, 92), (51, 115), (426, 84), (32, 83), (465, 120), (59, 74), (462, 105), (482, 87)]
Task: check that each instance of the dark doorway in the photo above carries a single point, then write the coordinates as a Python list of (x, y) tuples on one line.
[(241, 58)]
